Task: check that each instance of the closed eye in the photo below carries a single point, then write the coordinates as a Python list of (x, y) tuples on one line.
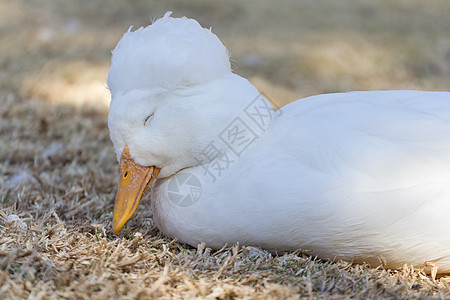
[(148, 119)]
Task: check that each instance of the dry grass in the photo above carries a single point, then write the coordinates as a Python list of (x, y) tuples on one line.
[(58, 171)]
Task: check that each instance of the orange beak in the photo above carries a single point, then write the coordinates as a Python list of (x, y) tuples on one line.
[(135, 180)]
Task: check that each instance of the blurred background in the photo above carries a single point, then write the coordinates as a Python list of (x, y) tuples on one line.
[(58, 51)]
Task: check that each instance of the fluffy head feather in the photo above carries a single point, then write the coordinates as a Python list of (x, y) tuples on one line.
[(170, 53)]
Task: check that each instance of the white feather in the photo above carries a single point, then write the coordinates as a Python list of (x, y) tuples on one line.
[(170, 53)]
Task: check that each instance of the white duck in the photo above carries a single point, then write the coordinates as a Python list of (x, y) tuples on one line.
[(360, 176)]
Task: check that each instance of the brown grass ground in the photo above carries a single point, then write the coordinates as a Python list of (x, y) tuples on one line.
[(58, 171)]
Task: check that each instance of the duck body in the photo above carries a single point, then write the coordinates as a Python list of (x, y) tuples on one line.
[(362, 176)]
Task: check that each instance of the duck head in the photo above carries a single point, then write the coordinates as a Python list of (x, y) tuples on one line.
[(172, 92)]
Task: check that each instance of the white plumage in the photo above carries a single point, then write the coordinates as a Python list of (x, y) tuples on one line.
[(362, 176), (171, 53)]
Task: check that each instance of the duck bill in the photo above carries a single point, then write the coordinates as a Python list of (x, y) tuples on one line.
[(135, 181)]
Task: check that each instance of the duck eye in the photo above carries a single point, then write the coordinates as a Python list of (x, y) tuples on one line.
[(148, 119)]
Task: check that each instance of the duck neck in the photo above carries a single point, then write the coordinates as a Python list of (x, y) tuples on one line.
[(236, 139)]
